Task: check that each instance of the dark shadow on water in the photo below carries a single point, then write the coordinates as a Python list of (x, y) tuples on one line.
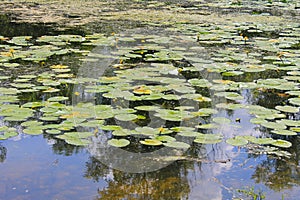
[(9, 28)]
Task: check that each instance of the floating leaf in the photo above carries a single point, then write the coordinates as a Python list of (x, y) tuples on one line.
[(122, 132), (208, 138), (53, 131), (232, 73), (288, 109), (126, 117), (295, 101), (207, 126), (31, 123), (221, 120), (33, 105), (147, 131), (33, 131), (58, 98), (182, 129), (110, 127), (173, 115), (259, 140), (189, 133), (119, 142), (177, 145), (230, 95), (151, 142), (165, 138), (290, 122), (296, 129), (284, 132), (282, 143), (273, 125), (237, 141), (146, 108)]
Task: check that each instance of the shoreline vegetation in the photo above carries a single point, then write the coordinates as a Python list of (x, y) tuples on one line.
[(67, 13)]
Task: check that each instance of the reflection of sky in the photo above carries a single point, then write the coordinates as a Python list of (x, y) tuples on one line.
[(32, 171), (214, 180)]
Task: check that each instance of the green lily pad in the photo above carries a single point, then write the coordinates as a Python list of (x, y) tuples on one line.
[(295, 101), (208, 126), (237, 141), (296, 129), (165, 138), (49, 119), (189, 133), (81, 135), (146, 108), (274, 125), (288, 109), (9, 91), (53, 131), (177, 145), (73, 140), (284, 132), (173, 115), (8, 133), (282, 143), (33, 105), (232, 73), (122, 132), (58, 98), (146, 131), (290, 122), (33, 131), (151, 142), (221, 120), (126, 117), (260, 140), (230, 95), (182, 129), (200, 82), (110, 127), (31, 123), (209, 138)]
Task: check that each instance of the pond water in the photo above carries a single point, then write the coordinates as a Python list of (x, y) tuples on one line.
[(150, 111)]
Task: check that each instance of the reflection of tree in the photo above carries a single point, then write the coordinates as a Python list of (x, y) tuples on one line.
[(277, 174), (280, 174), (167, 183), (3, 152), (62, 148)]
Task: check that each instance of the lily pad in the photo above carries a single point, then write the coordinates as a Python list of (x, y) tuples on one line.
[(295, 101), (208, 126), (165, 138), (58, 98), (33, 131), (126, 117), (260, 140), (119, 142), (208, 138), (288, 109), (237, 141), (284, 132), (221, 120), (282, 143), (151, 142), (273, 125), (177, 145)]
